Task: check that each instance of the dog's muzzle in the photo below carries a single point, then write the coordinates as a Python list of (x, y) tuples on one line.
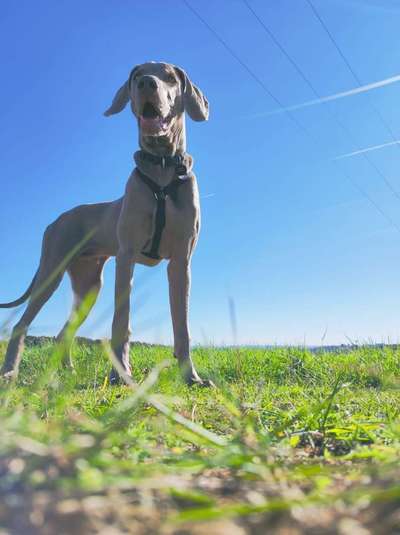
[(152, 123)]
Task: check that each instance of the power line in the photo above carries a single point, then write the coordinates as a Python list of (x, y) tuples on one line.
[(247, 68), (316, 94), (233, 54), (249, 71), (371, 200), (350, 68), (278, 102), (314, 9), (281, 48)]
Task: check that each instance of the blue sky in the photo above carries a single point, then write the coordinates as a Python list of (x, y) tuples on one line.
[(300, 243)]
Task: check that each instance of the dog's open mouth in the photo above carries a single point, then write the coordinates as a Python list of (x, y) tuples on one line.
[(152, 122)]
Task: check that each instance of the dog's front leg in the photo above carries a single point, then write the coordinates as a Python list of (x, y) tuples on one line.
[(179, 289), (120, 326)]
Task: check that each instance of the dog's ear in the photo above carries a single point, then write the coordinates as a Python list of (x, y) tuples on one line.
[(120, 100), (121, 97), (195, 103)]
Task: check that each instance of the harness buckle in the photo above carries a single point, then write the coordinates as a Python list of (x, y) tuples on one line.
[(159, 195), (163, 162), (181, 170)]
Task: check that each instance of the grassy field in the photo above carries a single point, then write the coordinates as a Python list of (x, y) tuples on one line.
[(288, 442)]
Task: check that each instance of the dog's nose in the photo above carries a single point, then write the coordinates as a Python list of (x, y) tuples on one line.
[(147, 83)]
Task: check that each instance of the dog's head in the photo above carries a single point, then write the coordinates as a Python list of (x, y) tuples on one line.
[(159, 94)]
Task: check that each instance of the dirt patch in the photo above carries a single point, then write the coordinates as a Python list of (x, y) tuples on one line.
[(223, 504)]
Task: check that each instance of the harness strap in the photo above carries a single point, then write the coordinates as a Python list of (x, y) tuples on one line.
[(159, 194)]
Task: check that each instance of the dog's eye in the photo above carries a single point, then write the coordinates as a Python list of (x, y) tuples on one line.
[(171, 79)]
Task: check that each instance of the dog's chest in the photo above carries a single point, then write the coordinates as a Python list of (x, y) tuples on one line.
[(180, 228)]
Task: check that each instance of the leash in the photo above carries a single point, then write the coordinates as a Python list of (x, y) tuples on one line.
[(160, 195)]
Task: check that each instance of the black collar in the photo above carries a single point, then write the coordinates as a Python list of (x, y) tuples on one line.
[(177, 161)]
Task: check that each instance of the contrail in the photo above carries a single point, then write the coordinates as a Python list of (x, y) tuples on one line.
[(336, 96), (368, 149)]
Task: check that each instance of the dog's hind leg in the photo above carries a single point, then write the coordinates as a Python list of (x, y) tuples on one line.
[(46, 283), (53, 263), (86, 280)]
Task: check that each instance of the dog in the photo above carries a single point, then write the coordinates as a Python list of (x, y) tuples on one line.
[(157, 218)]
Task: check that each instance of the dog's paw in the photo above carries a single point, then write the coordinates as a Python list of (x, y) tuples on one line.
[(115, 379), (203, 383), (68, 365), (7, 377)]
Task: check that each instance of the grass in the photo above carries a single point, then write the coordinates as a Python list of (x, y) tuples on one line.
[(287, 440)]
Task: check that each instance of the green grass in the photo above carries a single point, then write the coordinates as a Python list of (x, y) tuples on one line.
[(285, 432)]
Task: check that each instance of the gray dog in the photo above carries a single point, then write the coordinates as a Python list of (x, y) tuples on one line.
[(157, 218)]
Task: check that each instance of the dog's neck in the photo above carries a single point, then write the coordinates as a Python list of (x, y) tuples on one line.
[(172, 143), (161, 172)]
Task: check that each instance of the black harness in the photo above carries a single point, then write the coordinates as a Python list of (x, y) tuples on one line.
[(160, 194)]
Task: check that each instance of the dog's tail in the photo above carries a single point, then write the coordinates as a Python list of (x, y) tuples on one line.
[(21, 299)]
